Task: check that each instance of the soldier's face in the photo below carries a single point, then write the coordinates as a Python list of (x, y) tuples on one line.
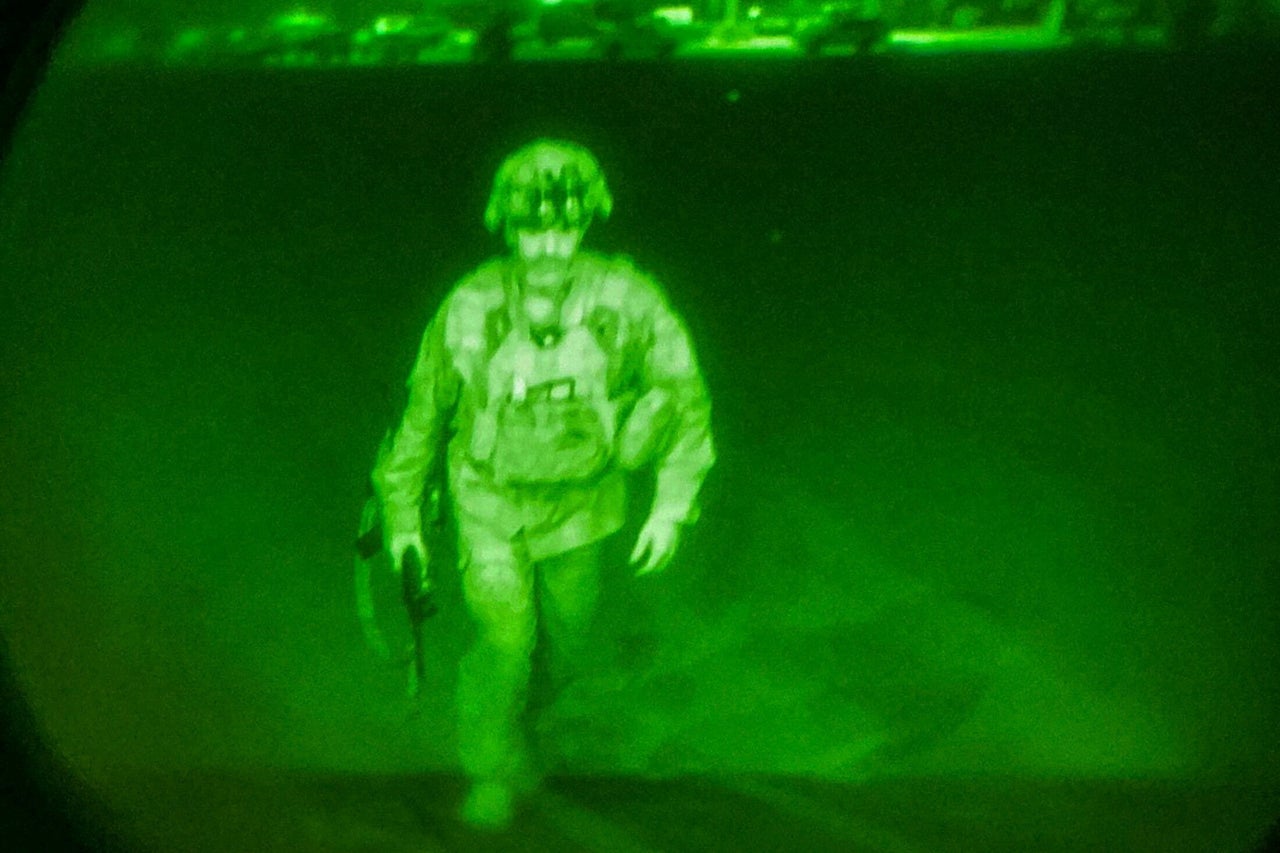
[(546, 254)]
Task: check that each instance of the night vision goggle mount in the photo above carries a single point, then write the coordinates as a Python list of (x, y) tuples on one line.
[(555, 201)]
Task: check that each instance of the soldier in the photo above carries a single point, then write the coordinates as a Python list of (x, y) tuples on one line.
[(548, 375)]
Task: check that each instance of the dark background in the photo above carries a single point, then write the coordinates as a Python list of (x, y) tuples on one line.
[(990, 341)]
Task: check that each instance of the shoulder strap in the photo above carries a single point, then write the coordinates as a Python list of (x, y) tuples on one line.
[(511, 294)]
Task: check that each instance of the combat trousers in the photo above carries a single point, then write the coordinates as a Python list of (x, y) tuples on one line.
[(507, 594)]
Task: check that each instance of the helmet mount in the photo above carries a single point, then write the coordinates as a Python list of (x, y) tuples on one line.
[(547, 184)]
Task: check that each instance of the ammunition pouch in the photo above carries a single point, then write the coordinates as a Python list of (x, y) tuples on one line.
[(549, 441)]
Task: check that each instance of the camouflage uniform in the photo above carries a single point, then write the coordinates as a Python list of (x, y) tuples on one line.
[(621, 341)]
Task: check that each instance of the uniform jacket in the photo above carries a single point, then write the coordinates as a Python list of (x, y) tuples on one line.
[(622, 340)]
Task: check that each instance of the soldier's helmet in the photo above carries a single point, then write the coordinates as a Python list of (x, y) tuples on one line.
[(548, 183)]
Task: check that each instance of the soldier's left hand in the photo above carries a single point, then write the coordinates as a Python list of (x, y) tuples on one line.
[(658, 538)]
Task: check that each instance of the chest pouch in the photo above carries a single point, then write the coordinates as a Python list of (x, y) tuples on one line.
[(548, 441)]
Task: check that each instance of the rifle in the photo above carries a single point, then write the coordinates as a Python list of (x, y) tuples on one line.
[(421, 606), (415, 591)]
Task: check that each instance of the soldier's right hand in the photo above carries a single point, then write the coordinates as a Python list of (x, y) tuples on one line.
[(403, 542)]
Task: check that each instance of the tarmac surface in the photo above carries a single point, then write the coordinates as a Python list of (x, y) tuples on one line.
[(335, 814)]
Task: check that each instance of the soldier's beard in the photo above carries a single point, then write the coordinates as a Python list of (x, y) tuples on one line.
[(545, 280)]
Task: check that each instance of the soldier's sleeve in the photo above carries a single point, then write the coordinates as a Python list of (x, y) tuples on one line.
[(671, 364), (402, 469)]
